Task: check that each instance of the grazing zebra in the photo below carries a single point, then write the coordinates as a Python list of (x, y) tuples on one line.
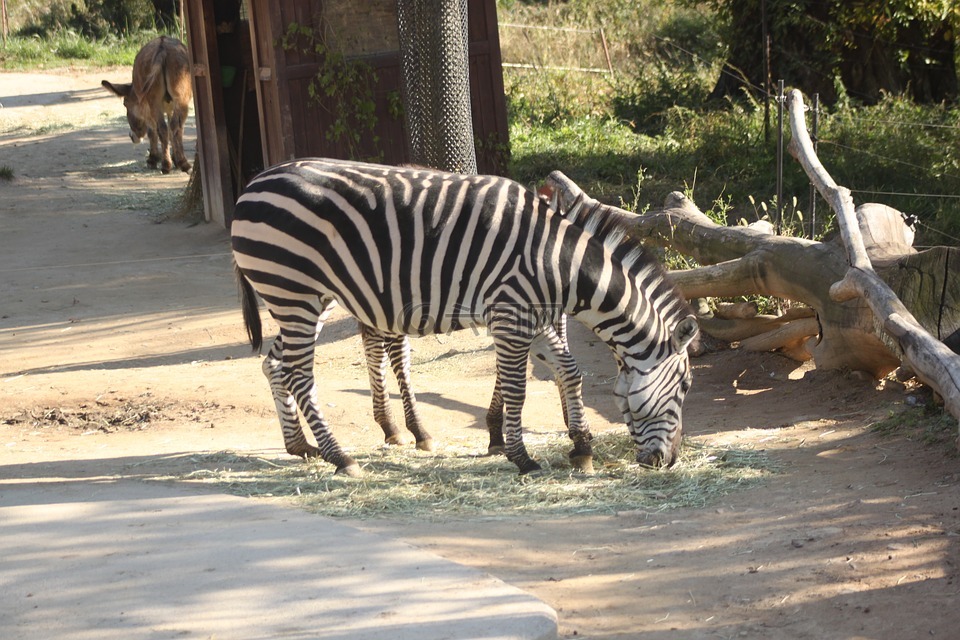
[(414, 252), (377, 346)]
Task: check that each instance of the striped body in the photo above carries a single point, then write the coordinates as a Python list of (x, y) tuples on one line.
[(415, 252)]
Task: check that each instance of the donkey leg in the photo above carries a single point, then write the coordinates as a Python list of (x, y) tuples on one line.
[(163, 133), (398, 348), (153, 155), (177, 119)]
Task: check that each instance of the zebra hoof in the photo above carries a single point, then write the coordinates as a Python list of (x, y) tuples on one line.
[(530, 468), (583, 464), (306, 451), (351, 470), (496, 450), (425, 445), (397, 439)]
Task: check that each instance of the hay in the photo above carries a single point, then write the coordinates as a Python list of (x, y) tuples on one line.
[(189, 207), (457, 481), (97, 416)]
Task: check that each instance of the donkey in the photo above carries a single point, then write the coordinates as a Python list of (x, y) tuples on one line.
[(158, 100)]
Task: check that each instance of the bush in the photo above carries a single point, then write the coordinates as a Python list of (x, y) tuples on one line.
[(96, 19)]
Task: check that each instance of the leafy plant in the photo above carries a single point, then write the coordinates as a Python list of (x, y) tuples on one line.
[(924, 423), (342, 87), (92, 19)]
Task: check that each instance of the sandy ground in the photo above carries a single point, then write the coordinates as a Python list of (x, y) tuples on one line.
[(103, 309)]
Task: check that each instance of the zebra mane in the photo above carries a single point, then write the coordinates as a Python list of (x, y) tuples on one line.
[(612, 230)]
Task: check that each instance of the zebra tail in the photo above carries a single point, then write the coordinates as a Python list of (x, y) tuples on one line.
[(251, 310)]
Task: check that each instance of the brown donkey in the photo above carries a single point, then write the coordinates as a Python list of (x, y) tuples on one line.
[(161, 87)]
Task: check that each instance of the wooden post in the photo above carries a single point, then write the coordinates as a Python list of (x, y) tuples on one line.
[(6, 25), (606, 50), (212, 146), (780, 99)]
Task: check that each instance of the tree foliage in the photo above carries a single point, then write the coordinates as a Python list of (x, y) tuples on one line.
[(99, 18), (861, 48)]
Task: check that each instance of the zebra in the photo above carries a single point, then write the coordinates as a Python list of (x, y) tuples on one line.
[(409, 251), (381, 350)]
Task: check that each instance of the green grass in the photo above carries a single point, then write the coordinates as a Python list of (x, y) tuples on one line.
[(67, 49), (928, 424), (6, 173), (649, 119)]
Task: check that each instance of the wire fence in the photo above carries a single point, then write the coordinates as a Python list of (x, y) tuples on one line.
[(775, 99), (528, 49), (911, 218), (769, 98)]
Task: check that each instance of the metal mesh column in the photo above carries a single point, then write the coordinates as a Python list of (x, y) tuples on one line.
[(434, 55)]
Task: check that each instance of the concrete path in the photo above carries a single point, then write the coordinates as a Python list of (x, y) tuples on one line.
[(105, 560)]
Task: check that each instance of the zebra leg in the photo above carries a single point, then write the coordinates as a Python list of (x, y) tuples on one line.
[(299, 327), (497, 447), (373, 343), (294, 439), (512, 352), (399, 351), (551, 350), (495, 412)]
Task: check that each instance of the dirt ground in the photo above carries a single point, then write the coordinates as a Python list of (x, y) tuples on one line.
[(103, 310)]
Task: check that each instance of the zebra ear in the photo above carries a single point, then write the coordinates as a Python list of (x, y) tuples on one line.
[(684, 333)]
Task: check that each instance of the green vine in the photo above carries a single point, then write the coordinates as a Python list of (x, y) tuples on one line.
[(493, 152), (343, 88)]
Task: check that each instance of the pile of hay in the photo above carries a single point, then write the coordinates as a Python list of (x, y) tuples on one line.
[(456, 480)]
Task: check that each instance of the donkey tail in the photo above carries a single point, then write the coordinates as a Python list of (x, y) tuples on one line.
[(251, 310)]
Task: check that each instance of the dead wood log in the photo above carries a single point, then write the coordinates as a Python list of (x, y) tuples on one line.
[(791, 338), (735, 310), (746, 261), (742, 261), (928, 357), (862, 322), (741, 329)]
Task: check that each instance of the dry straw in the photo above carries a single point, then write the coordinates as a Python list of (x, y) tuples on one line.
[(401, 482)]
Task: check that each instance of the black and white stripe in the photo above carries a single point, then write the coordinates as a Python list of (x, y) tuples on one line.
[(412, 252)]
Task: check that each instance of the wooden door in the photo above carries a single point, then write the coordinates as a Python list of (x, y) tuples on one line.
[(212, 145)]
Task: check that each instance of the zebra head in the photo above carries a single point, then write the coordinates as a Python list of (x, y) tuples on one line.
[(651, 399)]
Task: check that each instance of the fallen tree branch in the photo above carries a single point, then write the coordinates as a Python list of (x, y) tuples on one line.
[(930, 359), (747, 260)]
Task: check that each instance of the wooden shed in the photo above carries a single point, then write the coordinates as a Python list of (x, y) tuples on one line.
[(258, 99)]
